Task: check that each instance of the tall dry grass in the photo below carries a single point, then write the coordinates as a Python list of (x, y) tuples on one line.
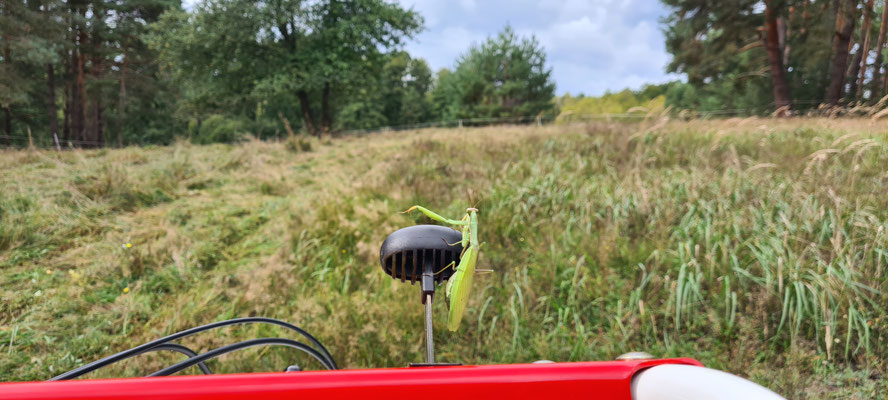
[(754, 245)]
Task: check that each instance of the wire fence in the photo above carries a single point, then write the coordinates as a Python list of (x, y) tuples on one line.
[(43, 142), (544, 120), (803, 107)]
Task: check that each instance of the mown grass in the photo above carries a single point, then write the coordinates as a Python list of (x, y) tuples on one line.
[(756, 246)]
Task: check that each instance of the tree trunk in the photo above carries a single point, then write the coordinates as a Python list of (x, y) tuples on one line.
[(98, 69), (89, 130), (66, 127), (842, 38), (853, 70), (306, 113), (75, 97), (783, 36), (7, 126), (805, 15), (100, 123), (51, 110), (865, 33), (877, 84), (775, 59), (80, 107), (121, 103), (7, 122), (325, 109), (80, 100), (69, 72)]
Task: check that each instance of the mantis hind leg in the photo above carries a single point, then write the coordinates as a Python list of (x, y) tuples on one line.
[(452, 263)]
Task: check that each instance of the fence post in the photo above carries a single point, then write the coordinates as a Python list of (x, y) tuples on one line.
[(539, 120), (460, 123)]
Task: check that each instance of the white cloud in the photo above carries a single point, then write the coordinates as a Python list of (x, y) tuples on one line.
[(468, 5), (429, 9), (592, 45), (443, 48)]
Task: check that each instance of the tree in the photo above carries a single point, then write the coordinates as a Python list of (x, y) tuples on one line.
[(145, 97), (444, 94), (62, 61), (845, 20), (651, 98), (735, 51), (30, 45), (775, 56), (396, 93), (409, 86), (878, 86), (312, 53), (505, 76), (406, 90), (727, 51), (865, 34)]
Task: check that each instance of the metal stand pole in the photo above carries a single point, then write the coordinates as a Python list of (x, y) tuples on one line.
[(430, 344)]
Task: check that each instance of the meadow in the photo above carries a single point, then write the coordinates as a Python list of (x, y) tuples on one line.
[(757, 246)]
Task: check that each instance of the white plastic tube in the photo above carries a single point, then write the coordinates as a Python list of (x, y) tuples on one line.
[(687, 382)]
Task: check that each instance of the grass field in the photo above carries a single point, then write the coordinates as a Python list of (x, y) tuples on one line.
[(756, 246)]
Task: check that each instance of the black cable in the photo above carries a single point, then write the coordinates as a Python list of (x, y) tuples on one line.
[(147, 346), (181, 349), (238, 346), (173, 347)]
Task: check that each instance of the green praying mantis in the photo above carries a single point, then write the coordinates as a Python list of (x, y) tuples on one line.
[(460, 284)]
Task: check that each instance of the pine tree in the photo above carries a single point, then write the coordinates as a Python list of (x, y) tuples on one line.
[(775, 56), (878, 86), (506, 76), (846, 18), (865, 34)]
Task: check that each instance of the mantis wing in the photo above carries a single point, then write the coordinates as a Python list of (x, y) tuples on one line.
[(459, 287)]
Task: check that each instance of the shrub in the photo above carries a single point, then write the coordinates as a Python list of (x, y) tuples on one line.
[(220, 129), (298, 143)]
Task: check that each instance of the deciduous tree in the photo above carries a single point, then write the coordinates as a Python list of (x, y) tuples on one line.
[(236, 51)]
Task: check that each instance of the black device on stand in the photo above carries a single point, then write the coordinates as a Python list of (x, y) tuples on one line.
[(422, 253)]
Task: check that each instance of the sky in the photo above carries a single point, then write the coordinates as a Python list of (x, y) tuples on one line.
[(592, 45)]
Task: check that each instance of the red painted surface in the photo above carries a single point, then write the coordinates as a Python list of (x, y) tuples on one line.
[(587, 380)]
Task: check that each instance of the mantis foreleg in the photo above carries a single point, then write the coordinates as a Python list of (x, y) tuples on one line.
[(435, 216)]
